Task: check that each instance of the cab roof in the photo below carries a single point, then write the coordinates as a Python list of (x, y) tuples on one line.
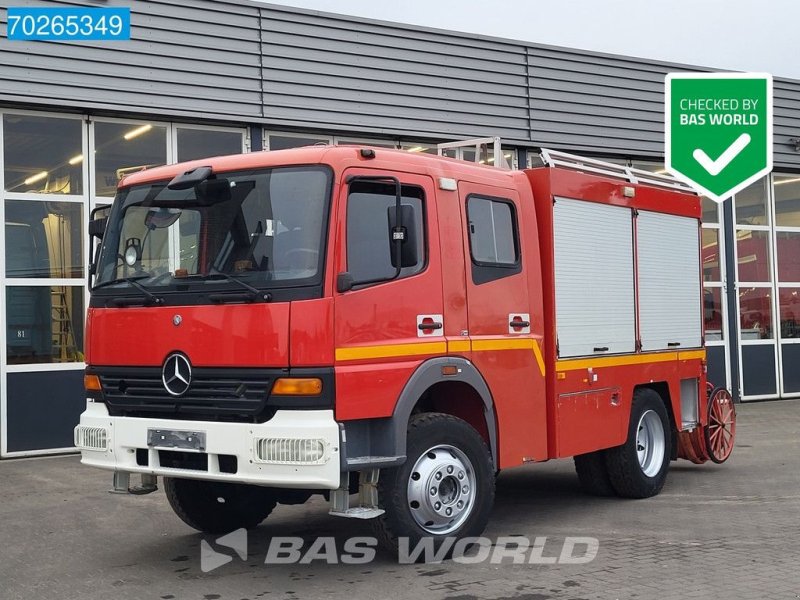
[(338, 157)]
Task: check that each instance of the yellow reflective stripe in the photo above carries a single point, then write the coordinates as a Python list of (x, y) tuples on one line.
[(512, 344), (692, 354), (390, 350), (458, 346), (627, 359), (400, 350), (537, 352)]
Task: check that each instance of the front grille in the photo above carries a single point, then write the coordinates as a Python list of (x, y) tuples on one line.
[(214, 394)]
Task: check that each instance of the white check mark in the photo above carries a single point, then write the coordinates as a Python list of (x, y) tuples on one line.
[(714, 167)]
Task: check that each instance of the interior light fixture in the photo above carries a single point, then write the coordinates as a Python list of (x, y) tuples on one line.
[(138, 131), (76, 159), (34, 178), (792, 180)]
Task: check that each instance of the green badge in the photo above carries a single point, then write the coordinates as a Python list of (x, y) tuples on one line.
[(719, 130)]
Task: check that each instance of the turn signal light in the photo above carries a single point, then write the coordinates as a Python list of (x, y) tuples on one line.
[(92, 383), (296, 386)]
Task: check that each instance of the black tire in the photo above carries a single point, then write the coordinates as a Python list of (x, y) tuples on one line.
[(593, 474), (215, 507), (628, 478), (426, 432)]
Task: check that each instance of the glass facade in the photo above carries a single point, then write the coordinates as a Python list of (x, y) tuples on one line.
[(123, 148), (55, 169)]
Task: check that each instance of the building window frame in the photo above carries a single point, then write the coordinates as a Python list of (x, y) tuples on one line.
[(7, 282), (328, 139), (172, 134)]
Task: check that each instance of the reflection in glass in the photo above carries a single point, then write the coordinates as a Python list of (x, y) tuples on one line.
[(788, 248), (755, 313), (752, 248), (377, 144), (751, 204), (123, 148), (710, 210), (42, 154), (711, 271), (789, 311), (44, 239), (712, 313), (202, 143), (282, 142), (787, 200), (44, 324), (423, 147), (653, 167)]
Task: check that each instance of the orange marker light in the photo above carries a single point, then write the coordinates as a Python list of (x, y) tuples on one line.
[(91, 383), (295, 386)]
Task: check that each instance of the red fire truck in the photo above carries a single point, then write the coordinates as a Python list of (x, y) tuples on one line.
[(335, 320)]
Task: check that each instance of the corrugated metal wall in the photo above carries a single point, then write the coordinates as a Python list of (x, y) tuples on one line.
[(360, 74), (247, 62), (198, 58)]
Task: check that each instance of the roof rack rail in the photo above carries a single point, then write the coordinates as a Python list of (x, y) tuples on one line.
[(556, 158), (481, 146)]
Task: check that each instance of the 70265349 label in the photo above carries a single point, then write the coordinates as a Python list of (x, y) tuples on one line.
[(68, 23)]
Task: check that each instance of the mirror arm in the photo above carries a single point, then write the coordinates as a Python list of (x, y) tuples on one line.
[(345, 281)]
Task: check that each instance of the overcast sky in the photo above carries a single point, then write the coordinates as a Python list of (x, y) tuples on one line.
[(742, 35)]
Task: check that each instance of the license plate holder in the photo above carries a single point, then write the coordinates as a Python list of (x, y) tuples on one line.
[(173, 438)]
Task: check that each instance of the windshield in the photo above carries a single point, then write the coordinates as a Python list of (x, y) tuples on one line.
[(264, 228)]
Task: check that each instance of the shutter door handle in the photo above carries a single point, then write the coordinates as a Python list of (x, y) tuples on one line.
[(601, 349)]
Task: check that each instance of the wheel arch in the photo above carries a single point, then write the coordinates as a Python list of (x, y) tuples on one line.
[(662, 388), (429, 390)]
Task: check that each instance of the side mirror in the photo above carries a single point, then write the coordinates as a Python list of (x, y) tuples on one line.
[(98, 220), (408, 245)]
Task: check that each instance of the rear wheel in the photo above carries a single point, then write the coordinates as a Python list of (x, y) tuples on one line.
[(593, 474), (638, 468), (214, 507), (444, 489)]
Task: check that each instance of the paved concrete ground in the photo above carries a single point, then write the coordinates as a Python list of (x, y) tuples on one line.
[(729, 531)]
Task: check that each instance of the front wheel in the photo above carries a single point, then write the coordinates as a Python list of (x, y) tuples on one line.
[(638, 468), (444, 489), (215, 507)]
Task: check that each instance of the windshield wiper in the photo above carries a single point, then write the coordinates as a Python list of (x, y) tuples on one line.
[(254, 293), (135, 283)]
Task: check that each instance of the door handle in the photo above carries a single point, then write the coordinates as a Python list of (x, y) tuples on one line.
[(425, 326), (519, 324)]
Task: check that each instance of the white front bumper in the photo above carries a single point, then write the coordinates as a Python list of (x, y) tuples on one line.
[(123, 436)]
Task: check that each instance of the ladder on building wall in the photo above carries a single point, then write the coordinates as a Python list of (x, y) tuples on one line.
[(63, 336)]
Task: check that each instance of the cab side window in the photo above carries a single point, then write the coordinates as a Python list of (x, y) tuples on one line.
[(370, 217), (493, 238)]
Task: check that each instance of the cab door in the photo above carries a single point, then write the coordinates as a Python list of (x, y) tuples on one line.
[(506, 344), (384, 329)]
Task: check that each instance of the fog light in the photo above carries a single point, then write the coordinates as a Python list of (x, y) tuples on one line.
[(289, 451), (91, 438)]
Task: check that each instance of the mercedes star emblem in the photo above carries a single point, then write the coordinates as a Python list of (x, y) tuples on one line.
[(176, 374), (176, 320)]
